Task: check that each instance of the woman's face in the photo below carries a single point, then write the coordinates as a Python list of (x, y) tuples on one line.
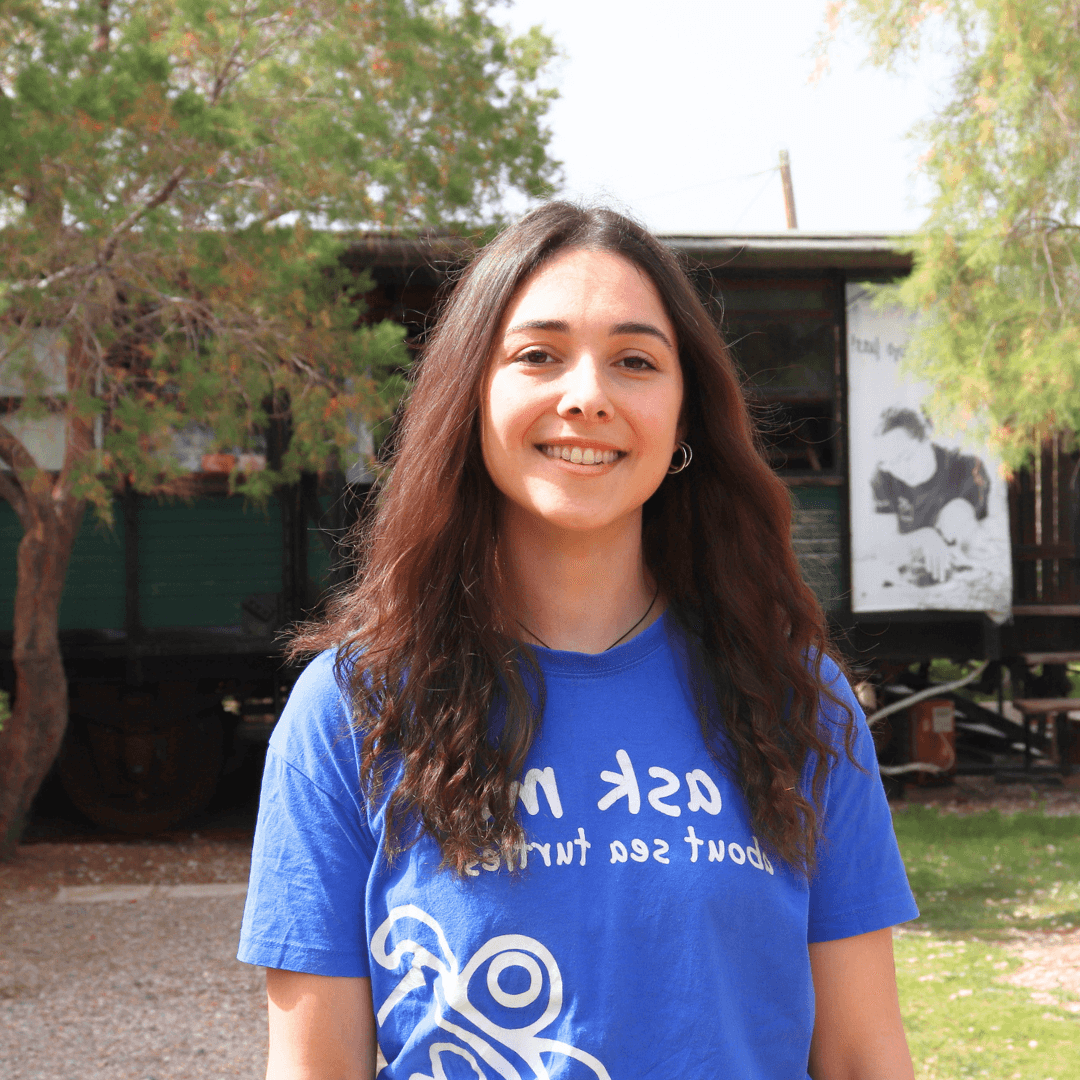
[(909, 459), (582, 402)]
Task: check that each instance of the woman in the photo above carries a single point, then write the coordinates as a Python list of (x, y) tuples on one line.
[(573, 788)]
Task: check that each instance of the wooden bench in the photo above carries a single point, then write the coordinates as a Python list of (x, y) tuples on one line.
[(1039, 709)]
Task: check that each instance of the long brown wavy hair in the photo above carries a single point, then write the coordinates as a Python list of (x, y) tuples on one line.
[(425, 641)]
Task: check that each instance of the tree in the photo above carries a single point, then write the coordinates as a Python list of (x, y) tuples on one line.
[(997, 263), (177, 181)]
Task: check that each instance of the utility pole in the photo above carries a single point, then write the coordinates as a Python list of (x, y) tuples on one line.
[(789, 191)]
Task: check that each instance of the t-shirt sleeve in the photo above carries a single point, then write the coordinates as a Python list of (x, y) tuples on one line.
[(313, 848), (860, 883), (976, 486), (884, 497)]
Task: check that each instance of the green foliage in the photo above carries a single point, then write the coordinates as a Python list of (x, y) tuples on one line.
[(178, 181), (997, 263)]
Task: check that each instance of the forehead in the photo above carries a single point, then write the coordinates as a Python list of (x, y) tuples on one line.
[(897, 442), (583, 286)]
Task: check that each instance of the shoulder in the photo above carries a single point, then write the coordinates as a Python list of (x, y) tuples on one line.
[(843, 722), (955, 462), (319, 680), (316, 694), (835, 685), (315, 732), (963, 475)]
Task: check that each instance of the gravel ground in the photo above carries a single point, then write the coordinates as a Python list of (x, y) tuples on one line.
[(127, 990), (148, 989)]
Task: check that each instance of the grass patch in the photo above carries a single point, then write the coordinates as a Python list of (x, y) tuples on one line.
[(985, 873), (962, 1022), (976, 878)]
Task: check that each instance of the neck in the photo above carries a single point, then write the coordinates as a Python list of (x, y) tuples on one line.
[(576, 590)]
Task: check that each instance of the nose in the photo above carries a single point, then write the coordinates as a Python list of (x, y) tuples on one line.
[(584, 395)]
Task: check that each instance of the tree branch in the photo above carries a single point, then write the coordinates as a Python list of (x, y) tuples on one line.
[(101, 44), (44, 283), (11, 489), (1057, 108), (242, 68), (1050, 268), (12, 451), (272, 215), (109, 250), (221, 77), (136, 216), (79, 435)]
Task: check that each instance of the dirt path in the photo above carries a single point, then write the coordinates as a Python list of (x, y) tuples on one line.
[(1050, 968), (170, 860), (976, 794)]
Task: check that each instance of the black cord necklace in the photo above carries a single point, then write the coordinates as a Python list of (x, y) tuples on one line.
[(617, 640)]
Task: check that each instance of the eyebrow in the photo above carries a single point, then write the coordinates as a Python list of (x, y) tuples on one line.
[(642, 328), (561, 326)]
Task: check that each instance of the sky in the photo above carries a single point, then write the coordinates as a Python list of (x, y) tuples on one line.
[(677, 110)]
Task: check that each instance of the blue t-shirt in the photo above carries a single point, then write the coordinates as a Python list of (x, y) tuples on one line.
[(648, 936)]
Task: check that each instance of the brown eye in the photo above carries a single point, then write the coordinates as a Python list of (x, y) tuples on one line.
[(535, 357), (636, 363)]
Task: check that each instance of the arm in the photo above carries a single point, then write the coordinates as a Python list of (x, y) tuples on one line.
[(322, 1027), (956, 521), (943, 544), (858, 1030)]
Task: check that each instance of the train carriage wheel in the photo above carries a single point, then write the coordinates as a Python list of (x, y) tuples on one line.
[(142, 768)]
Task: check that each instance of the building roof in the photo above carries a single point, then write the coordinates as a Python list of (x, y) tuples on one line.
[(796, 250), (791, 250)]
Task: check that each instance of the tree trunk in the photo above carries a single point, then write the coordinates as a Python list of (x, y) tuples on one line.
[(30, 740)]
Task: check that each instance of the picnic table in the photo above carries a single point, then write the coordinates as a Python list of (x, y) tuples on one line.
[(1039, 711)]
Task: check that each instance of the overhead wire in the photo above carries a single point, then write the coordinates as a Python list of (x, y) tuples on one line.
[(709, 183)]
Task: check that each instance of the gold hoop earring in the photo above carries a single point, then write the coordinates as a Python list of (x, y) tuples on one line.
[(687, 457)]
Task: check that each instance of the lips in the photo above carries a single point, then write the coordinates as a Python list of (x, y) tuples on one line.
[(579, 455)]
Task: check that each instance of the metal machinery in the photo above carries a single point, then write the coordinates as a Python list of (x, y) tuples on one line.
[(169, 619)]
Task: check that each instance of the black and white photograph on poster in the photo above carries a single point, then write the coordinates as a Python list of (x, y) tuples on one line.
[(929, 509)]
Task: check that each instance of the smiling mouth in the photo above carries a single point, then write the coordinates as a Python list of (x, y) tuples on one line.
[(579, 456)]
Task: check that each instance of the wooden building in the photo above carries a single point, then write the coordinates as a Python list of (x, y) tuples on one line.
[(168, 620)]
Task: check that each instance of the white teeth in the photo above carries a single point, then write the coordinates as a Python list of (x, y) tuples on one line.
[(582, 457)]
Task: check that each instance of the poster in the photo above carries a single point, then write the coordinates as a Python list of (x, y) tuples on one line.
[(929, 510), (43, 437), (39, 366)]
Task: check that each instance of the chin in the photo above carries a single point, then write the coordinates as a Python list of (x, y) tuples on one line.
[(577, 524), (586, 520)]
